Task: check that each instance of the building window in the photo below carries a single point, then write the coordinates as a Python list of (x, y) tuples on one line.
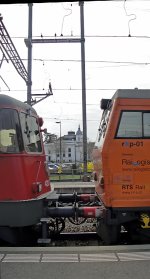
[(69, 154), (63, 154), (69, 149)]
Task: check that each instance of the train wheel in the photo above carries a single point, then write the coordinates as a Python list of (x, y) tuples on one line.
[(109, 234), (56, 226)]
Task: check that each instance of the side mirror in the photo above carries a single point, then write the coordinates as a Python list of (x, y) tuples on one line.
[(40, 121)]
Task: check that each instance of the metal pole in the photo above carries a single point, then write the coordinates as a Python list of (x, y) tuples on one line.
[(60, 142), (29, 83), (59, 122), (81, 3), (75, 154)]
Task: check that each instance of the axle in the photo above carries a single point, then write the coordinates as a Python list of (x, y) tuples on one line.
[(87, 212)]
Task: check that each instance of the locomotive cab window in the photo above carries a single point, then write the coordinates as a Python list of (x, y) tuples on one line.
[(134, 124), (31, 134), (10, 141)]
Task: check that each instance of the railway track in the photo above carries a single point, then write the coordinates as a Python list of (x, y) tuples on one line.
[(68, 239), (76, 239)]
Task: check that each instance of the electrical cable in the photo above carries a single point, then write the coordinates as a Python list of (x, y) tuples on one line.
[(67, 9), (63, 89), (90, 61), (129, 15), (69, 119), (91, 36)]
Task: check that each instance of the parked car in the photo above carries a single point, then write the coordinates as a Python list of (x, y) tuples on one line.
[(53, 167), (66, 167)]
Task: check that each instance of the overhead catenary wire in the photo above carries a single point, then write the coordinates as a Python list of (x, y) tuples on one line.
[(90, 36), (64, 89), (69, 119), (92, 61)]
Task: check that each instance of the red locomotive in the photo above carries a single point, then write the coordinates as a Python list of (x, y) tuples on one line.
[(26, 199), (23, 170)]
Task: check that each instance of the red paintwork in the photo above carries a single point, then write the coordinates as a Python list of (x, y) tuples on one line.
[(21, 173), (18, 173)]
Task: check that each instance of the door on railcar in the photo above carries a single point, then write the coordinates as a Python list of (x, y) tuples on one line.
[(22, 159)]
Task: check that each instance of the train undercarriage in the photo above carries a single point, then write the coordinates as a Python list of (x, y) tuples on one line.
[(48, 218)]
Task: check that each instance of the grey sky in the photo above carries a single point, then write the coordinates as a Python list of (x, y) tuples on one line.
[(113, 58)]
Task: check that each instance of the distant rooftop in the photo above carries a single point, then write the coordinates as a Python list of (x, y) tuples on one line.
[(71, 136)]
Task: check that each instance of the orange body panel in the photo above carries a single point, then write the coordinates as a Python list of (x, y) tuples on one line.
[(123, 163)]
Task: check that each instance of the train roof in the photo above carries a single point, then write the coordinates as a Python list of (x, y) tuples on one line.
[(132, 93), (125, 94), (8, 101)]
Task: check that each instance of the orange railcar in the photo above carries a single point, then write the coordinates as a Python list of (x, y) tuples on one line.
[(121, 160)]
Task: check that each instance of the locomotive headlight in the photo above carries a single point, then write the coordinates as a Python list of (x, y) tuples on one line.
[(39, 187)]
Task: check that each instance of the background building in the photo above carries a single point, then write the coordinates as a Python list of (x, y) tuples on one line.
[(71, 147)]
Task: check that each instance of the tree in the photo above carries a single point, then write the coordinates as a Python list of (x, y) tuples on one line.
[(90, 146), (49, 138)]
